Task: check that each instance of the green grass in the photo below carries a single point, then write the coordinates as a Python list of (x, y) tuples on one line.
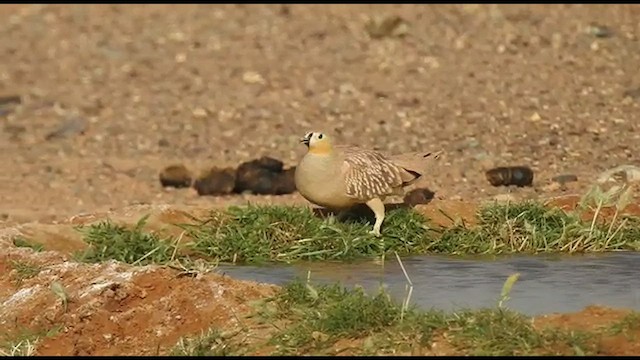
[(23, 342), (210, 343), (284, 233), (630, 322), (312, 320), (21, 241), (24, 270), (108, 241), (258, 234), (534, 228)]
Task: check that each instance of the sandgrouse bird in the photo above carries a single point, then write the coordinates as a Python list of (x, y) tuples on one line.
[(340, 176)]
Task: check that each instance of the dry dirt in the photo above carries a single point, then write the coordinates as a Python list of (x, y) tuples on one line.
[(117, 309), (112, 94)]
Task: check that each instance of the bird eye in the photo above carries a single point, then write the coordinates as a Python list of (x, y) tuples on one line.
[(320, 136)]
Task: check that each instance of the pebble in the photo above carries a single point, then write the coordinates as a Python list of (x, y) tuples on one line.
[(599, 31), (72, 126), (264, 176), (252, 77), (177, 176), (418, 196), (389, 26), (565, 178), (216, 182), (511, 175)]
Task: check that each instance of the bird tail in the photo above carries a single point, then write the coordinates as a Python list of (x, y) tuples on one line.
[(414, 164)]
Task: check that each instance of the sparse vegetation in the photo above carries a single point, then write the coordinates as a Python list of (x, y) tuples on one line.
[(629, 322), (254, 234), (24, 341), (210, 343), (312, 320), (24, 270), (134, 246), (21, 241), (285, 233)]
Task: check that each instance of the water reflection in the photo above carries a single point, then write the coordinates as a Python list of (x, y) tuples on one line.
[(547, 283)]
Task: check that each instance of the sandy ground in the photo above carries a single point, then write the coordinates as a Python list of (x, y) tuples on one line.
[(118, 309), (112, 94)]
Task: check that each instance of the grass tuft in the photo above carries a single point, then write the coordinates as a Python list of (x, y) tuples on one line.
[(313, 320), (534, 228), (133, 246), (284, 233), (24, 270), (258, 234), (210, 343), (21, 241), (24, 341)]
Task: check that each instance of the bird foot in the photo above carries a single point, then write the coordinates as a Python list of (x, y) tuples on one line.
[(375, 233)]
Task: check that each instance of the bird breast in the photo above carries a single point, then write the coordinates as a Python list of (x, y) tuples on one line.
[(319, 179)]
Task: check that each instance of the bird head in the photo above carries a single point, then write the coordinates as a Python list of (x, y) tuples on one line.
[(317, 142)]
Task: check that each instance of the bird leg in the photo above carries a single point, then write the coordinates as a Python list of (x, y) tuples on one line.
[(377, 206)]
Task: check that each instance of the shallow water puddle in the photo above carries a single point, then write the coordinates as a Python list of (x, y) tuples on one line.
[(547, 283)]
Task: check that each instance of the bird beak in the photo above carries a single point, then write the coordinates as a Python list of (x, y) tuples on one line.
[(305, 140)]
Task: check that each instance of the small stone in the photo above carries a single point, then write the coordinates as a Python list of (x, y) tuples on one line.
[(511, 175), (10, 100), (535, 117), (286, 182), (556, 40), (632, 93), (252, 77), (181, 57), (264, 176), (599, 31), (552, 186), (14, 131), (418, 196), (565, 178), (200, 113), (390, 26), (216, 182), (319, 336), (177, 176), (71, 126), (163, 142)]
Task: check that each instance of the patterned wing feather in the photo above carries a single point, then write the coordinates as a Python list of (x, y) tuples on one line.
[(369, 174)]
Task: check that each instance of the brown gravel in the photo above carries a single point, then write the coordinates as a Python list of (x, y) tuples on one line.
[(131, 89)]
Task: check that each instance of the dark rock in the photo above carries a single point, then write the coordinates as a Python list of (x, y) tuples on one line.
[(271, 164), (390, 26), (510, 175), (14, 131), (632, 93), (10, 100), (8, 103), (216, 182), (177, 176), (285, 183), (565, 178), (418, 196), (163, 142), (264, 176), (600, 31), (72, 126)]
